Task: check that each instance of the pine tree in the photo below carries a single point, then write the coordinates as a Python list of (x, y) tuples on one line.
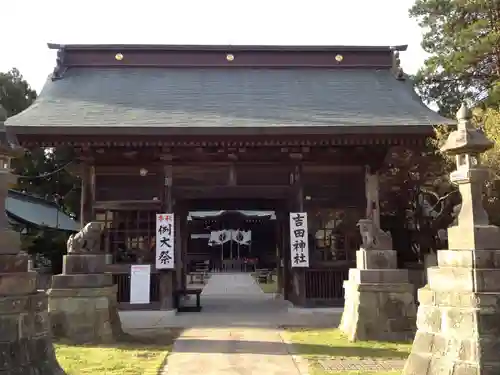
[(463, 39)]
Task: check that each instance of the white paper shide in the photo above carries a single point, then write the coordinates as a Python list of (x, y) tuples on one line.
[(299, 244), (165, 241)]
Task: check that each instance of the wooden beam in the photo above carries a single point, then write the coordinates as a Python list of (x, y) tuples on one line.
[(307, 139), (207, 204), (128, 205), (331, 155), (87, 193), (227, 192)]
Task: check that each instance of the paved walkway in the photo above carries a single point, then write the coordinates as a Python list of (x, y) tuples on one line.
[(233, 285), (238, 333), (233, 349), (233, 300)]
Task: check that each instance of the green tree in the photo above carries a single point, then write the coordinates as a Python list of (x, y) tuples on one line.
[(463, 39), (413, 185), (15, 93), (36, 171)]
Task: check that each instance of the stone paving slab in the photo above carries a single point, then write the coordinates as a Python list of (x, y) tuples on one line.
[(231, 351)]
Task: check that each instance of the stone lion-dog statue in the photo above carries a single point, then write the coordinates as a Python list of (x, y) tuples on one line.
[(87, 240), (374, 238)]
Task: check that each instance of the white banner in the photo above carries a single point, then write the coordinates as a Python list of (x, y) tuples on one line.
[(165, 251), (220, 237), (140, 282), (242, 237), (299, 244)]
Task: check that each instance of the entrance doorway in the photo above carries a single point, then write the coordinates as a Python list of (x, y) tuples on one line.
[(254, 236), (232, 240)]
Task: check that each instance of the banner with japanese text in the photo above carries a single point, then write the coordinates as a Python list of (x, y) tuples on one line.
[(299, 244), (165, 251)]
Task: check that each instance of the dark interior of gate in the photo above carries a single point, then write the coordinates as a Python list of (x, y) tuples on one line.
[(234, 241), (235, 131)]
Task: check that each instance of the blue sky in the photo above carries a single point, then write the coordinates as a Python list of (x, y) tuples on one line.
[(33, 23)]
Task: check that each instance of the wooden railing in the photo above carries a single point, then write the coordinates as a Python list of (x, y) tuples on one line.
[(324, 287)]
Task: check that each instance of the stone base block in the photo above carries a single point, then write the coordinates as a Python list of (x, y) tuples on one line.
[(469, 258), (97, 280), (383, 312), (466, 271), (25, 339), (15, 283), (85, 315), (376, 259), (14, 262), (10, 242), (84, 263), (387, 276), (479, 237), (458, 334)]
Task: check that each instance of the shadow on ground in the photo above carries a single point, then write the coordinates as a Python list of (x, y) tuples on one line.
[(143, 339), (193, 345)]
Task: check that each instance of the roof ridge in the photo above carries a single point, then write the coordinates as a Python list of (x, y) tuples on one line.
[(233, 47)]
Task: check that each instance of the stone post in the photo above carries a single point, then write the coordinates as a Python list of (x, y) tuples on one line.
[(458, 317), (25, 341), (379, 300), (82, 300)]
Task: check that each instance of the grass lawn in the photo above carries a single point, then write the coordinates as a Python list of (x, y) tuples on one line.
[(143, 353), (317, 344), (271, 287)]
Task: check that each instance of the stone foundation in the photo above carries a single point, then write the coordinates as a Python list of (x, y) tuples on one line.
[(83, 307), (25, 342), (459, 316), (25, 339), (379, 303)]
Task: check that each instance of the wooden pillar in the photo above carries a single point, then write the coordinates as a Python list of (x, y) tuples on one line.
[(87, 194), (297, 204), (285, 240), (179, 239), (372, 195), (281, 250), (167, 276), (183, 247)]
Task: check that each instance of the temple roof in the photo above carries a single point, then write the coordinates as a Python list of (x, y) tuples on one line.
[(155, 100), (27, 209)]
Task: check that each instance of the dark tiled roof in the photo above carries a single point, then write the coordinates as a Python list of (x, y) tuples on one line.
[(159, 99)]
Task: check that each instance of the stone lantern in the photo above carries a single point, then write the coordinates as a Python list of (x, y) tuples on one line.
[(458, 319), (25, 341), (466, 144)]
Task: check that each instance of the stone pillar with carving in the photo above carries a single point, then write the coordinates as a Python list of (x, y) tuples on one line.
[(379, 300), (25, 340), (82, 300), (458, 316)]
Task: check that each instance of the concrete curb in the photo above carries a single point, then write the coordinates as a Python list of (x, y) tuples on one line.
[(301, 363)]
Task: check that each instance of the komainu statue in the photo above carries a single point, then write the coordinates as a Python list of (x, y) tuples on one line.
[(87, 240), (373, 238)]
